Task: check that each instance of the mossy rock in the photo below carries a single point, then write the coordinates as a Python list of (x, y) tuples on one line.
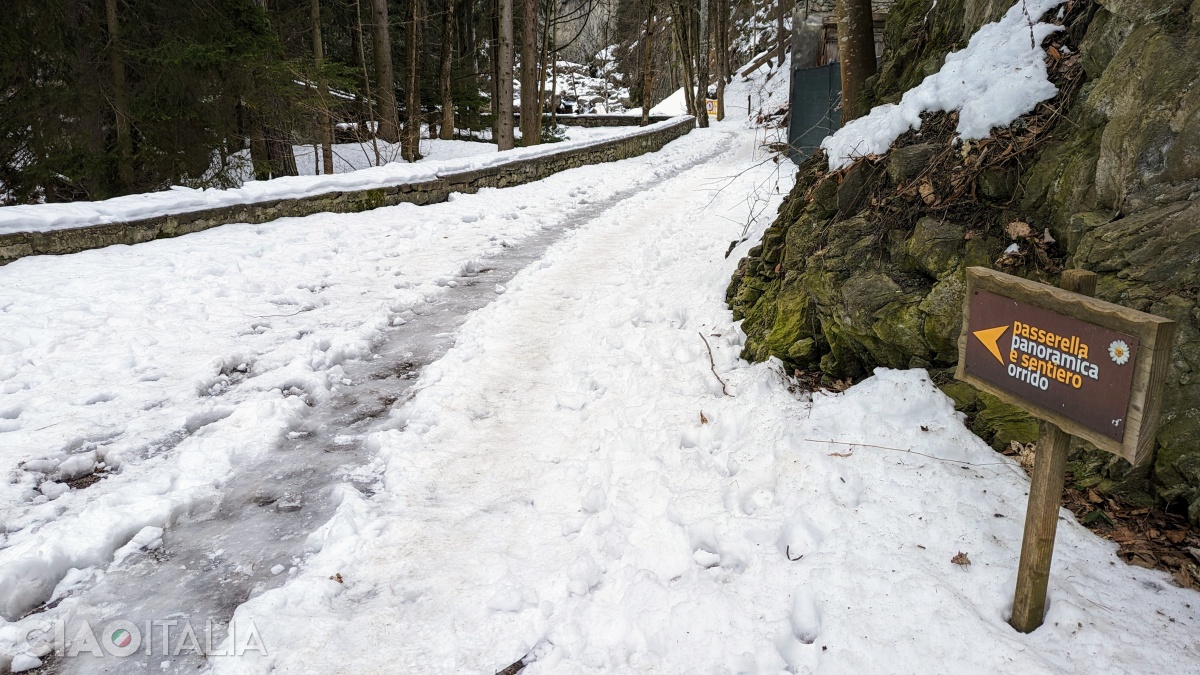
[(965, 396), (902, 325), (908, 162), (1002, 423), (1152, 108), (936, 247), (793, 323), (840, 361), (845, 290), (943, 317)]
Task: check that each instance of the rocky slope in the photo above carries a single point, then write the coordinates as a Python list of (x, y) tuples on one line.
[(864, 267)]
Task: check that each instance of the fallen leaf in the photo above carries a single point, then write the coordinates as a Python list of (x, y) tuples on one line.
[(926, 190), (1144, 560), (961, 559), (703, 419), (842, 454), (337, 577), (1018, 229)]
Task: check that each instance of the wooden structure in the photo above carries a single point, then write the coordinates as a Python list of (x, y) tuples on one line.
[(1146, 353)]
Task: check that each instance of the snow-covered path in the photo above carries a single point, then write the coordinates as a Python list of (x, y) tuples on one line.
[(180, 369), (571, 489)]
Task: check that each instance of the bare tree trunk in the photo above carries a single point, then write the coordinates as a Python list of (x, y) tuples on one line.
[(444, 79), (381, 43), (781, 48), (410, 147), (728, 36), (280, 155), (702, 65), (467, 40), (683, 46), (116, 63), (529, 107), (856, 50), (362, 58), (554, 99), (543, 64), (648, 64), (324, 116), (722, 30), (494, 51), (504, 78)]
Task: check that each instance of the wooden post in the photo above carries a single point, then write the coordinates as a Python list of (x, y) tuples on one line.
[(1045, 495)]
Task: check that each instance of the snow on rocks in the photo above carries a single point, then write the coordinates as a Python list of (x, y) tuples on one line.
[(998, 77)]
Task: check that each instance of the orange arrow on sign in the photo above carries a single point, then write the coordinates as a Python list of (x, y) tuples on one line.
[(989, 338)]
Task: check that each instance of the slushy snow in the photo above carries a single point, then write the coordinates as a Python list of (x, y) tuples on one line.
[(1000, 76)]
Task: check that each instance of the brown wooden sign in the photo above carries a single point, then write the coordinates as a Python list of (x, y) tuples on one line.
[(1087, 368), (1078, 369), (1093, 368)]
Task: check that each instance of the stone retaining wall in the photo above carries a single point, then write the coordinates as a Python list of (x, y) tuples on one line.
[(517, 172), (593, 121)]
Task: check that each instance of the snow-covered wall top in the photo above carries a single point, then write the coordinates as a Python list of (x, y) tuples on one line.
[(177, 200)]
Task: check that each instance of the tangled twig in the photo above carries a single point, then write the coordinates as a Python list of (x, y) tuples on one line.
[(713, 364), (911, 452)]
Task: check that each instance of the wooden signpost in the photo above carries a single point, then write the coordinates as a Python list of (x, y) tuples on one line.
[(1086, 368)]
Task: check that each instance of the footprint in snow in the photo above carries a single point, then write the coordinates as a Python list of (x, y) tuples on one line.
[(846, 490), (799, 538), (805, 616)]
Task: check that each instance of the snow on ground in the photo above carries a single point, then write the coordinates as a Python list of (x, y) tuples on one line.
[(571, 485), (583, 93), (1000, 76), (174, 361), (355, 156), (43, 217), (349, 157)]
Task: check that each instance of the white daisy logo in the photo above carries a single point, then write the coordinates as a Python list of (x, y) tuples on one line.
[(1118, 351)]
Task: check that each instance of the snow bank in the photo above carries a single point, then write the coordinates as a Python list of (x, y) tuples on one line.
[(178, 199), (674, 104), (1000, 76)]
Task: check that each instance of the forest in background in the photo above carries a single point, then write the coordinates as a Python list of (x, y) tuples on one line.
[(101, 98)]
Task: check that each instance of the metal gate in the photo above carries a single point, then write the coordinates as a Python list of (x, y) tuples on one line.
[(815, 109), (816, 106)]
